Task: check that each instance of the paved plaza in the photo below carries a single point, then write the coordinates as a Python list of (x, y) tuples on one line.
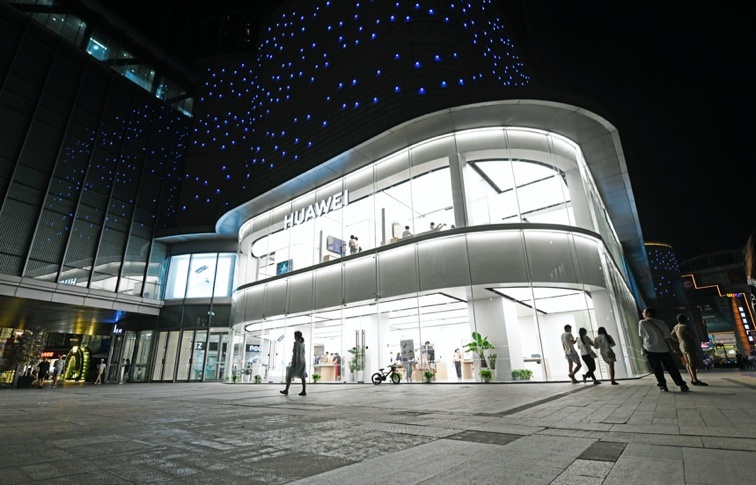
[(525, 433)]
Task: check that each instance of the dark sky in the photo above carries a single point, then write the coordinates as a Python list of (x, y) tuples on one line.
[(671, 78), (674, 83)]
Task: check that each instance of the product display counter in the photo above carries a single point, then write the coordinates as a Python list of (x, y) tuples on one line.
[(327, 372)]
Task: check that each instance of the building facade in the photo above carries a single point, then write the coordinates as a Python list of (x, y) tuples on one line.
[(378, 175)]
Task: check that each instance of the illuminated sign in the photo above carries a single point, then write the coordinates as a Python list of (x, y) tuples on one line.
[(317, 209), (116, 330)]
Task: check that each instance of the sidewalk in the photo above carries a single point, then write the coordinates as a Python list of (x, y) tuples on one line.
[(523, 433)]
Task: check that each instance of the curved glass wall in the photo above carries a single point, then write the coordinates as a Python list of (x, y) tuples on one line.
[(470, 178), (497, 230)]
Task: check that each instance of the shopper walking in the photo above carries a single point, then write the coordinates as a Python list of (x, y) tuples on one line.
[(568, 344), (655, 333), (604, 342), (43, 369), (100, 371), (683, 335), (589, 356), (57, 370), (298, 366), (457, 358)]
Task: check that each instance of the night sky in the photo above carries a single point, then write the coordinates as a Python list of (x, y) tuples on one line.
[(673, 81), (671, 78)]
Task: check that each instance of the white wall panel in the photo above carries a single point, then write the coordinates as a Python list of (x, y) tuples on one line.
[(550, 258), (360, 280), (300, 293), (443, 263), (327, 287), (397, 272), (497, 257)]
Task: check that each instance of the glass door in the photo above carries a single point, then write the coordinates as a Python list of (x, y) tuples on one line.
[(185, 355), (141, 359), (197, 362)]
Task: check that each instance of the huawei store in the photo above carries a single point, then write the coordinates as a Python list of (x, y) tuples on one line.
[(493, 229)]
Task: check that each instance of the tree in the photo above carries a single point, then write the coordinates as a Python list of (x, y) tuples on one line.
[(25, 350)]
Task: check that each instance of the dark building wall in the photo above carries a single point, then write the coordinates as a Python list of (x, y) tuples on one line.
[(328, 76), (89, 164)]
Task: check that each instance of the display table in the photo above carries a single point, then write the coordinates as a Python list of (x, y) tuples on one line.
[(468, 369), (327, 372), (438, 369)]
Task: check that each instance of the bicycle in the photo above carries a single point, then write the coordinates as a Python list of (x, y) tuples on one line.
[(381, 376)]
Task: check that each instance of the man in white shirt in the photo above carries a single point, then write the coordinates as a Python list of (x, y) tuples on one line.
[(568, 344), (655, 334)]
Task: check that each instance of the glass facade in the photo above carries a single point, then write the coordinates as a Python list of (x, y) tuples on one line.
[(496, 230)]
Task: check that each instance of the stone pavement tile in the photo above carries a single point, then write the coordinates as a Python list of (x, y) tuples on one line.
[(641, 463), (12, 476), (646, 428), (140, 474), (664, 421), (99, 477), (589, 468), (411, 466), (485, 437), (654, 439), (494, 472), (729, 431), (646, 470), (583, 426), (567, 479), (706, 466), (13, 459), (743, 444), (576, 433), (410, 429), (61, 468), (296, 465), (603, 451), (552, 451)]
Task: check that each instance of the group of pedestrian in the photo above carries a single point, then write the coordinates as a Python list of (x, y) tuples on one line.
[(603, 342), (658, 348), (44, 370)]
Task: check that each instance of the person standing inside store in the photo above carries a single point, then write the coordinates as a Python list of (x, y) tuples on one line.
[(126, 369), (589, 356), (298, 367), (57, 369), (604, 342), (407, 232), (457, 358), (352, 244), (43, 369), (100, 371), (655, 333), (683, 335), (568, 344)]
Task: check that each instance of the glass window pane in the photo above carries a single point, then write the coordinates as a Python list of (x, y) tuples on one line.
[(201, 276)]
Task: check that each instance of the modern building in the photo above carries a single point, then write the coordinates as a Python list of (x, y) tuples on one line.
[(381, 176), (718, 292)]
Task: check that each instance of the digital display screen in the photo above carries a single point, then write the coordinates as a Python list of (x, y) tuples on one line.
[(335, 245), (284, 267)]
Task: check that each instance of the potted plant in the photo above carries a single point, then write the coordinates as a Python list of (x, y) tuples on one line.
[(479, 345), (428, 376), (492, 364), (486, 375), (258, 379), (315, 378), (357, 362), (522, 374)]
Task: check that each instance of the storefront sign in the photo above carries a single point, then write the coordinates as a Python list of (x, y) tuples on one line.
[(319, 208), (724, 338)]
